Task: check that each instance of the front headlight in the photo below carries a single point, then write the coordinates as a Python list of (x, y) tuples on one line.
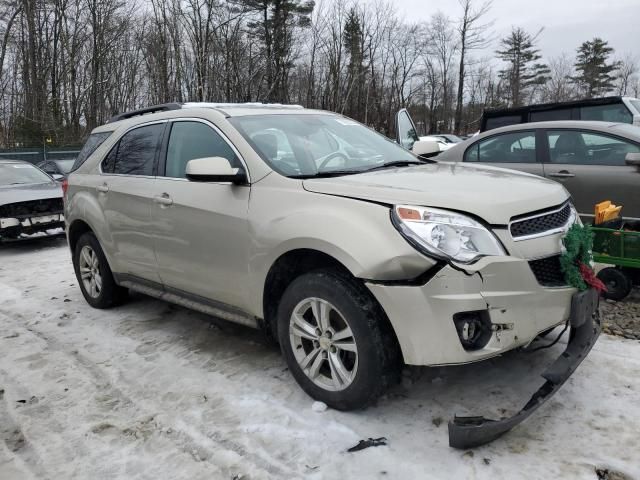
[(444, 234)]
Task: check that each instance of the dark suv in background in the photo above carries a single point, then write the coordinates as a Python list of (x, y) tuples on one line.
[(608, 109)]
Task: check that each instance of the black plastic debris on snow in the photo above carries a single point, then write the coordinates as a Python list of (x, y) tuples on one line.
[(609, 474), (371, 442)]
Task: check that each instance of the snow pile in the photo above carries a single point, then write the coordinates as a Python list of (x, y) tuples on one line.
[(149, 390)]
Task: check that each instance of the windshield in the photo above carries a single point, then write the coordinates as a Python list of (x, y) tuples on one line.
[(19, 173), (636, 104), (315, 145), (65, 165)]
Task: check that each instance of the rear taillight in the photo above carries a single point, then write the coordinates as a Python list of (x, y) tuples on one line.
[(65, 186)]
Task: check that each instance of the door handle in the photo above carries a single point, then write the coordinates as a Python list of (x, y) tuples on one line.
[(163, 200), (562, 174), (104, 188)]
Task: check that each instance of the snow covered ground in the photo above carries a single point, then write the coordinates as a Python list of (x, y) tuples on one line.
[(150, 391)]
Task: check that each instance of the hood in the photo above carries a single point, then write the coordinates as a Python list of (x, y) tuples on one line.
[(491, 193), (32, 191)]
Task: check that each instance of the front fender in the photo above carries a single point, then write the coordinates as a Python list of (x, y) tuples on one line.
[(356, 233)]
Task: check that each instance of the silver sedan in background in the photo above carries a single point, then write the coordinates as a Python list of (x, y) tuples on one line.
[(595, 161)]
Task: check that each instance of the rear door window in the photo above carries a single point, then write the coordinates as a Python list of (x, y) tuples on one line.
[(136, 151), (587, 148), (519, 147)]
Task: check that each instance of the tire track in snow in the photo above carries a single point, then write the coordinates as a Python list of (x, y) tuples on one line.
[(205, 447), (14, 440)]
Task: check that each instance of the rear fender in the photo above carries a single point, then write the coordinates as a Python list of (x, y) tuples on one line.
[(83, 206)]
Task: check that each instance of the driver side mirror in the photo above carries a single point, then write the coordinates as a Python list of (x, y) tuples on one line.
[(214, 169), (57, 177), (426, 148), (633, 159)]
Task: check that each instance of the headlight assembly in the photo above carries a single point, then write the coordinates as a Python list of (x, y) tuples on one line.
[(444, 234)]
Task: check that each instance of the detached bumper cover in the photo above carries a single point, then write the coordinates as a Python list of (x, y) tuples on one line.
[(469, 432)]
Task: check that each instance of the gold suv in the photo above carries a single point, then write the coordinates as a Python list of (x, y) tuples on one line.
[(355, 254)]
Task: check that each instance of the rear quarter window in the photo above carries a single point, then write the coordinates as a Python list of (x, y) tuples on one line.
[(90, 146), (616, 112)]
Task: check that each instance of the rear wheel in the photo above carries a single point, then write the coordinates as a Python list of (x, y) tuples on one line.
[(94, 275), (617, 282), (336, 340)]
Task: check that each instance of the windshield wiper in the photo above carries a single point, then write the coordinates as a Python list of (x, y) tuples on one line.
[(397, 163), (327, 174), (338, 173)]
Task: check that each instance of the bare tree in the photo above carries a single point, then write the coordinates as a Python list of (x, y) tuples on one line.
[(442, 44), (559, 86), (627, 74), (472, 35)]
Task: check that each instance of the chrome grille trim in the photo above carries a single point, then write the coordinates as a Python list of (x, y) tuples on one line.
[(548, 215)]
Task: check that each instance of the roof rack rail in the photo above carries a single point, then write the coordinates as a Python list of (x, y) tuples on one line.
[(240, 105), (154, 108)]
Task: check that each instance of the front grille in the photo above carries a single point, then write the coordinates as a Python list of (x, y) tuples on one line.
[(31, 208), (548, 272), (540, 223)]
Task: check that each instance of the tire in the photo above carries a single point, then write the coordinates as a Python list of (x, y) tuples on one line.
[(633, 274), (352, 371), (617, 282), (99, 288)]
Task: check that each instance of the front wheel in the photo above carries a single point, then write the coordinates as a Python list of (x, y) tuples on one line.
[(336, 340)]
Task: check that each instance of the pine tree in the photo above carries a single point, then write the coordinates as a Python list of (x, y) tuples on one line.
[(523, 69), (352, 36), (594, 75)]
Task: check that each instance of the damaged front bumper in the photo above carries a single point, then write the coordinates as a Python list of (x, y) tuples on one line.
[(469, 432), (13, 227)]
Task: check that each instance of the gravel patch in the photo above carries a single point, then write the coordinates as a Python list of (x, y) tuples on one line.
[(622, 318)]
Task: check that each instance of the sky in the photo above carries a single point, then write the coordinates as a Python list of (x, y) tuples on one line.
[(567, 23)]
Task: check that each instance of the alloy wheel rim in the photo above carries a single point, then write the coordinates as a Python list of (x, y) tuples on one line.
[(90, 271), (323, 344)]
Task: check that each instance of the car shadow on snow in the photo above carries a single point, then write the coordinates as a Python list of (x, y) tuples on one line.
[(428, 396), (185, 330)]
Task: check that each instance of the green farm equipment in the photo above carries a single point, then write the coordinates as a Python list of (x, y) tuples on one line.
[(618, 244)]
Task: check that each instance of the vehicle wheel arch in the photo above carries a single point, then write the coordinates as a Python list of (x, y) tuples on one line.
[(75, 230), (79, 227), (83, 207), (294, 263)]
